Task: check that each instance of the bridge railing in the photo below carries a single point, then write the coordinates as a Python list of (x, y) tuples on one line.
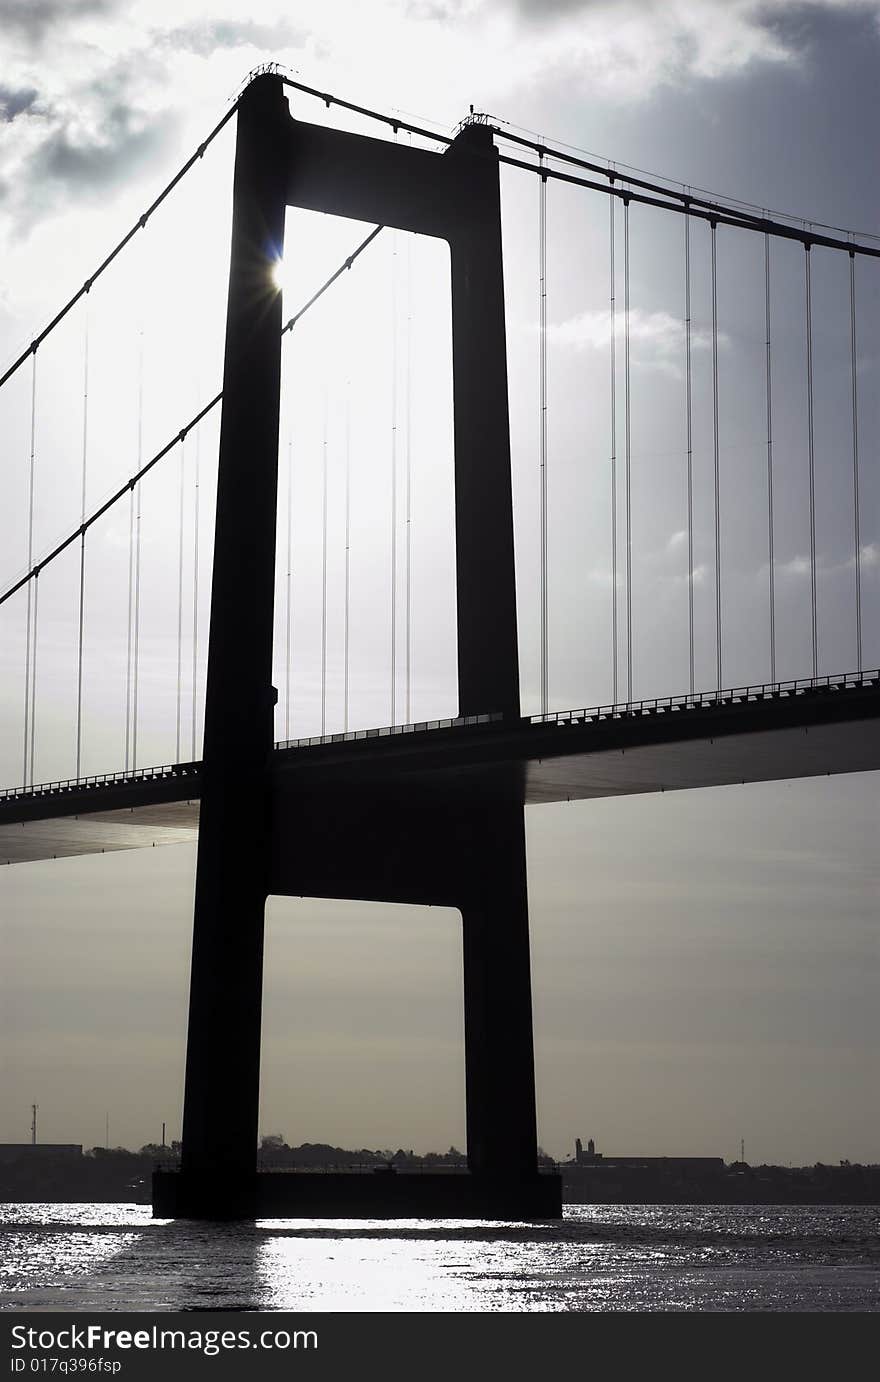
[(69, 784), (704, 699), (387, 731)]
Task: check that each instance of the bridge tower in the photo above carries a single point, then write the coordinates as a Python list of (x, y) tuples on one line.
[(461, 844)]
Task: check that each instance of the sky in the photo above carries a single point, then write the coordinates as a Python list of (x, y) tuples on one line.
[(705, 964)]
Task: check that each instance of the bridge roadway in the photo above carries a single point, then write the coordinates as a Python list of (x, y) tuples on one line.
[(747, 734)]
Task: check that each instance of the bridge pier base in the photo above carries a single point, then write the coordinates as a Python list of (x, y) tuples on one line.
[(499, 1055)]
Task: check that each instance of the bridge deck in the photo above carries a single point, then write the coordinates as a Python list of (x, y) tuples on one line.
[(748, 734)]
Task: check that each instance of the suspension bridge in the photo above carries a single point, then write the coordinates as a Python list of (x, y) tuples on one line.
[(722, 628)]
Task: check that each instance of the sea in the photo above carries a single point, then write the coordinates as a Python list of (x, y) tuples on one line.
[(115, 1257)]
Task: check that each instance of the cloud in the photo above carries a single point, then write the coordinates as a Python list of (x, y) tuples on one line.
[(34, 18), (206, 38), (92, 162), (798, 566), (629, 48), (657, 339), (869, 555), (15, 101), (82, 148)]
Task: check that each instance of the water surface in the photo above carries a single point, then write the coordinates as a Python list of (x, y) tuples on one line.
[(601, 1257)]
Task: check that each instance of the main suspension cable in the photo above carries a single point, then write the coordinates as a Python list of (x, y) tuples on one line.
[(105, 264), (178, 437), (706, 212), (704, 207)]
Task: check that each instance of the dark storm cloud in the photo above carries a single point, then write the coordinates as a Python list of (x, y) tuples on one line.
[(33, 18), (15, 101), (71, 166), (68, 162)]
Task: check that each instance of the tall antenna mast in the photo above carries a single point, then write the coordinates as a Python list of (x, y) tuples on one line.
[(34, 1108)]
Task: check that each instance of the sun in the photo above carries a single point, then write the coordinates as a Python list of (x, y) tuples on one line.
[(281, 277)]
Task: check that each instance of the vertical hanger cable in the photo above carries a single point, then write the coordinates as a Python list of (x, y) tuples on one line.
[(690, 445), (82, 546), (324, 576), (408, 477), (129, 640), (628, 454), (30, 560), (394, 475), (769, 396), (857, 539), (288, 605), (195, 593), (543, 516), (614, 654), (716, 455), (347, 593), (180, 505), (34, 678), (811, 457), (137, 561)]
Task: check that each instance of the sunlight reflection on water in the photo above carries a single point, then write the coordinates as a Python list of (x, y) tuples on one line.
[(604, 1257)]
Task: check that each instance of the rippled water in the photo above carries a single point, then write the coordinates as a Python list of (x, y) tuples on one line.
[(601, 1257)]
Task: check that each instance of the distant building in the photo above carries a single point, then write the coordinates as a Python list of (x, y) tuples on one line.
[(598, 1160), (38, 1151)]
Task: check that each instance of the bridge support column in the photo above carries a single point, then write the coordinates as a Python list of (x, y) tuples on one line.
[(499, 1054), (218, 1173)]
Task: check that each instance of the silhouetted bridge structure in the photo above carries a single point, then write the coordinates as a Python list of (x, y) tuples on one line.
[(749, 734), (429, 813)]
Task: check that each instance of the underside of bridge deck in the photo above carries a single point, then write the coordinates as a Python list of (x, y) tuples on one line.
[(573, 759)]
